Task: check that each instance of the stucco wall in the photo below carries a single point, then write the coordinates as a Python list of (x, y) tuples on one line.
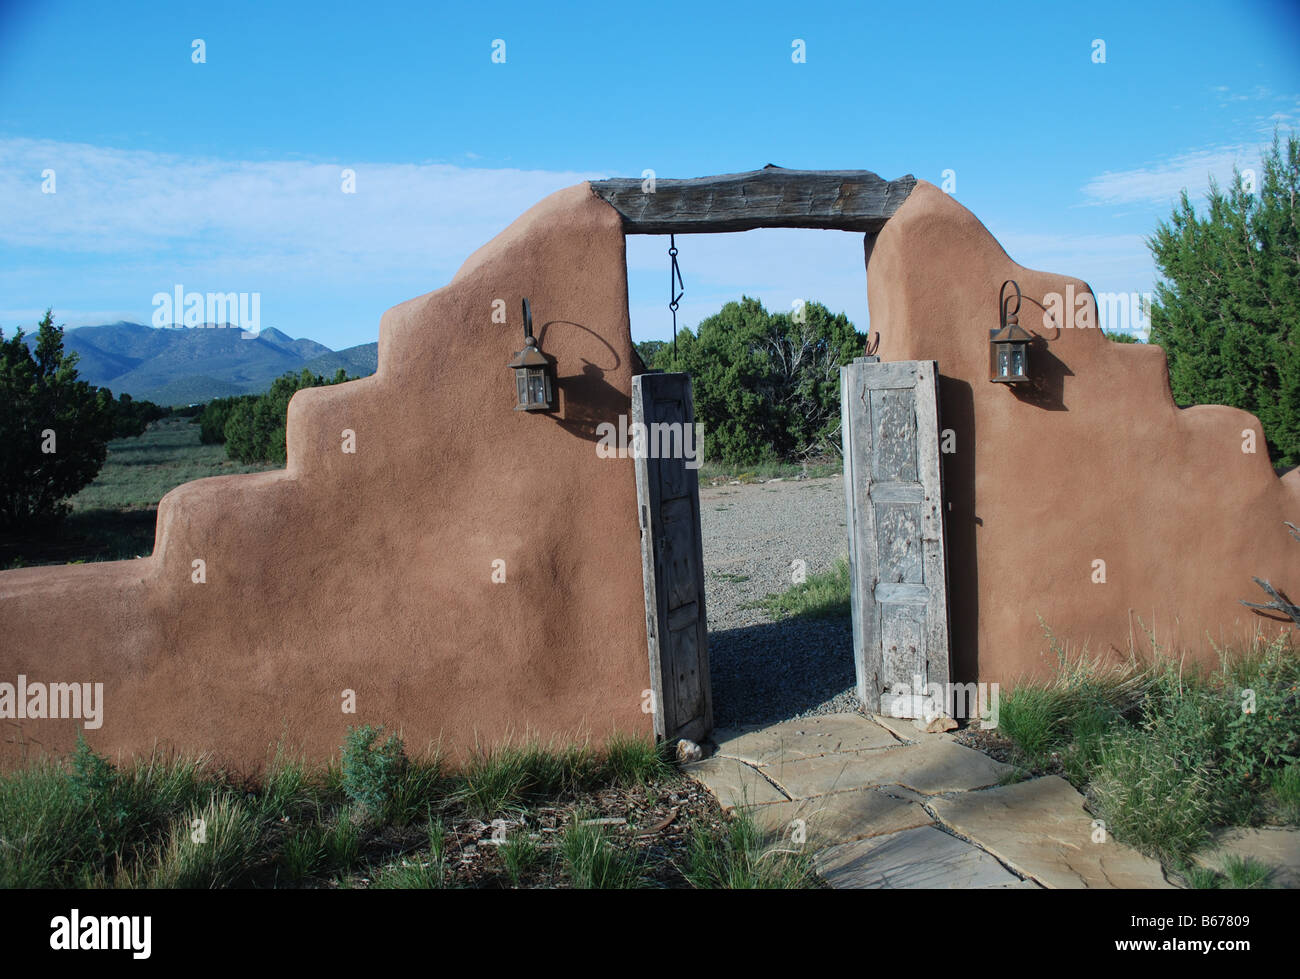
[(1097, 463), (372, 571)]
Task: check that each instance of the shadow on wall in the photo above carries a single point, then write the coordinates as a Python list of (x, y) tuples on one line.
[(957, 412), (585, 397)]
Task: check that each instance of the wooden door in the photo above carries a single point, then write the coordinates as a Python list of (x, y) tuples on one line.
[(668, 501), (896, 536)]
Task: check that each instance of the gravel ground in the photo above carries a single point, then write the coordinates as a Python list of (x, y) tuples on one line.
[(764, 671)]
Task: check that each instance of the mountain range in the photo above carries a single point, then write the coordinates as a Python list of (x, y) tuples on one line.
[(188, 365)]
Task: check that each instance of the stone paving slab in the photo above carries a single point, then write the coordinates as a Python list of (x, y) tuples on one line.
[(733, 782), (909, 729), (841, 817), (1277, 848), (934, 766), (804, 738), (924, 857), (1041, 829)]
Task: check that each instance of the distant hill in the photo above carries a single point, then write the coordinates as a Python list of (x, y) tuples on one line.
[(360, 360), (182, 366)]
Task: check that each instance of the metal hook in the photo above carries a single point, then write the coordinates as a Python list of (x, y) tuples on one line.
[(1003, 300), (528, 320)]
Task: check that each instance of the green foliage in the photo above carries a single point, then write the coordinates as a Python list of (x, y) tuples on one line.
[(766, 387), (40, 392), (255, 427), (213, 416), (499, 781), (1285, 783), (738, 857), (1228, 312), (592, 861), (373, 772), (822, 595), (1149, 796), (519, 854), (131, 417), (421, 872), (1166, 753), (217, 845), (630, 760)]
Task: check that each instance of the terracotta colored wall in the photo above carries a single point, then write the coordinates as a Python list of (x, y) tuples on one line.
[(1097, 463), (372, 571)]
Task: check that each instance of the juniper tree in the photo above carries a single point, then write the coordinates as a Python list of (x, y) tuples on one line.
[(54, 428), (1228, 310)]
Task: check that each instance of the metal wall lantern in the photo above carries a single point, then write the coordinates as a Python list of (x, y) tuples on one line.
[(1009, 346), (534, 372)]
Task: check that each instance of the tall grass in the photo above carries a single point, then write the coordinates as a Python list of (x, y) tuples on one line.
[(1167, 752), (740, 857), (592, 861)]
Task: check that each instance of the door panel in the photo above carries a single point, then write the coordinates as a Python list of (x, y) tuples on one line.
[(893, 490), (668, 500)]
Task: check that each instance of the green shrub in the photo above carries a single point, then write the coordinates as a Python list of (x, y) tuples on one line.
[(1149, 798), (373, 772)]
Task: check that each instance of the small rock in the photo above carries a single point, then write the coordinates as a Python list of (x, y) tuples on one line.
[(938, 725), (688, 751)]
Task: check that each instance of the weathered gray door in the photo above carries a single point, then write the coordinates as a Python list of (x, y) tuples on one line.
[(896, 543), (668, 501)]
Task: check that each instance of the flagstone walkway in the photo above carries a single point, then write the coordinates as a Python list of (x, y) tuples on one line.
[(883, 805)]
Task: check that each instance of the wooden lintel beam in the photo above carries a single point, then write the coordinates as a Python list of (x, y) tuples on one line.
[(842, 200)]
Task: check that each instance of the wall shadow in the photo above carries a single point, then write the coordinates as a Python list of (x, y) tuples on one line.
[(586, 399), (957, 412), (1048, 372), (776, 670)]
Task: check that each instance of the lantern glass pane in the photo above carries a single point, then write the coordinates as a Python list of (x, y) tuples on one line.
[(521, 388), (1018, 360), (536, 388), (1004, 361)]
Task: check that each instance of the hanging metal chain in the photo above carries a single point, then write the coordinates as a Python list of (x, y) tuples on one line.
[(674, 281)]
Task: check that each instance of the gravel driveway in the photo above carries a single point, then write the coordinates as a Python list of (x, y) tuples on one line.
[(762, 670)]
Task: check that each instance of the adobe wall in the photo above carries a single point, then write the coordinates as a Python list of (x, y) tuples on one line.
[(1097, 463), (373, 571)]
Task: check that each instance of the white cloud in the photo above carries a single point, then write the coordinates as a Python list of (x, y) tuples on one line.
[(236, 217), (1162, 182)]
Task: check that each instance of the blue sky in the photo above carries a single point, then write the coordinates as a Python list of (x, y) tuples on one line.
[(225, 176)]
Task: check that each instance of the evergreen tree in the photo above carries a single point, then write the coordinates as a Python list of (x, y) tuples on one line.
[(767, 385), (54, 428), (1228, 312)]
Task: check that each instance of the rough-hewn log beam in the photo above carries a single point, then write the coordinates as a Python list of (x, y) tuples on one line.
[(843, 200)]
